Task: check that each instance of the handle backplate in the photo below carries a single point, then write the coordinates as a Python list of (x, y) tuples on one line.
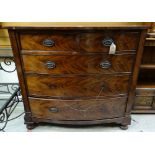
[(50, 64), (107, 41), (105, 64), (48, 43), (53, 109)]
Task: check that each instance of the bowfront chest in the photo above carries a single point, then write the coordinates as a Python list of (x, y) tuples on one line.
[(78, 75)]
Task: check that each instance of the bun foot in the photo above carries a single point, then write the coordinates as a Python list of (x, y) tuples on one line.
[(30, 126), (124, 127)]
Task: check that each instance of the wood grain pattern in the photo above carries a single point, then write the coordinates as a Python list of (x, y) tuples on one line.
[(77, 25), (63, 41), (78, 41), (78, 64), (123, 121), (78, 109), (15, 47), (77, 86), (124, 41), (76, 79), (132, 91)]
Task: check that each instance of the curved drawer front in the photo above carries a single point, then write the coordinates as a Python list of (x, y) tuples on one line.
[(79, 86), (84, 41), (78, 109), (78, 64)]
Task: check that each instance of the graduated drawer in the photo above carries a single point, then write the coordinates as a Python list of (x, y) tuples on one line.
[(79, 41), (77, 109), (78, 64), (80, 86)]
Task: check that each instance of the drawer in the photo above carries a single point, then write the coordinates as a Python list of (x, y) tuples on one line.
[(144, 101), (80, 41), (77, 109), (50, 41), (97, 42), (79, 86), (78, 64), (145, 91)]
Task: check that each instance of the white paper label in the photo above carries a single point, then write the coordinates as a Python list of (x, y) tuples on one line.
[(112, 49)]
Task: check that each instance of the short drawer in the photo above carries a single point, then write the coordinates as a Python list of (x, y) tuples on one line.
[(77, 109), (100, 42), (49, 41), (78, 64), (79, 86), (80, 41)]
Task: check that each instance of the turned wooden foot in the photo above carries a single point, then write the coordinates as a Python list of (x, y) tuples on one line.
[(30, 126), (124, 127)]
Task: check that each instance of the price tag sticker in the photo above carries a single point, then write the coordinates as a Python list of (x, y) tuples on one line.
[(112, 49)]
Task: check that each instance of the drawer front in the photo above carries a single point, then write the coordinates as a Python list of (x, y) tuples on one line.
[(78, 64), (49, 41), (96, 42), (77, 109), (82, 41), (144, 101), (145, 91), (80, 86)]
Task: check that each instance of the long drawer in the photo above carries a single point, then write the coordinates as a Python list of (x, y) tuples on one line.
[(77, 86), (78, 64), (81, 41), (77, 109)]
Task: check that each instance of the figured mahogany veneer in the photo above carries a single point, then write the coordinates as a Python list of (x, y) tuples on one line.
[(77, 86), (80, 42), (94, 109), (67, 75), (79, 64)]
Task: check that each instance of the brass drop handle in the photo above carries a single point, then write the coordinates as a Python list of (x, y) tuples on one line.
[(53, 109), (50, 64), (109, 42), (105, 64), (48, 43)]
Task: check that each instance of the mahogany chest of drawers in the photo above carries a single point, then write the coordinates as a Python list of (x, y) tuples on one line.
[(78, 75)]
